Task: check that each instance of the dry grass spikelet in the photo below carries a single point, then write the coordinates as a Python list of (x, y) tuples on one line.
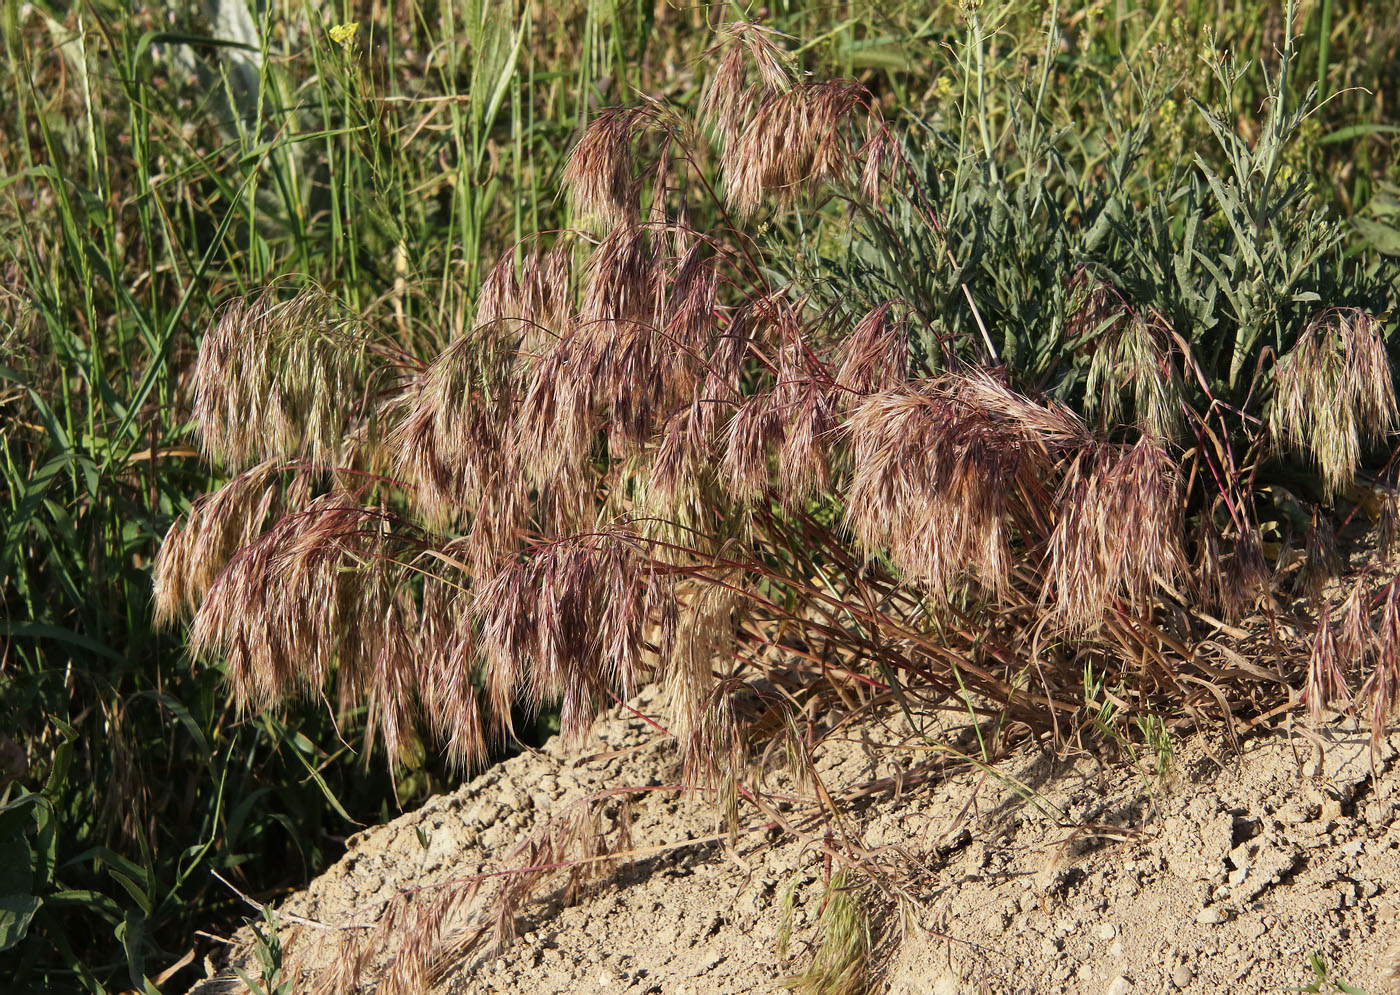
[(283, 379), (1332, 391), (546, 295), (624, 286), (573, 844), (318, 594), (645, 339), (197, 548), (1321, 559), (682, 455), (1230, 574), (602, 175), (566, 622), (796, 140), (1116, 533), (794, 419), (689, 324), (1246, 577), (434, 931), (1326, 683), (875, 355), (880, 150), (936, 467), (714, 751), (500, 293), (1051, 425)]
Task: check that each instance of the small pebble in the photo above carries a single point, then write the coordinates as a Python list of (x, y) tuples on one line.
[(1181, 976), (1119, 986), (1210, 916), (1107, 931)]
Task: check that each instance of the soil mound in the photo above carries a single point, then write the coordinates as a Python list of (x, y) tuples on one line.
[(1243, 871)]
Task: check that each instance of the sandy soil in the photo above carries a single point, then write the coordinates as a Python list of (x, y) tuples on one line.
[(1048, 874)]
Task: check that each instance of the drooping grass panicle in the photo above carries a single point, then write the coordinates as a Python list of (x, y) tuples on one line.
[(1321, 559), (1333, 391), (565, 624), (1133, 360), (1117, 531), (624, 286), (753, 65), (198, 547), (875, 355), (1382, 687), (449, 654), (935, 470), (683, 463), (703, 632), (1355, 637), (809, 430), (284, 379), (796, 141), (603, 176), (449, 439), (318, 595), (1247, 579), (754, 432), (532, 303)]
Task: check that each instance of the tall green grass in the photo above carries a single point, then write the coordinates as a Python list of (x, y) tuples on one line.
[(151, 172)]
